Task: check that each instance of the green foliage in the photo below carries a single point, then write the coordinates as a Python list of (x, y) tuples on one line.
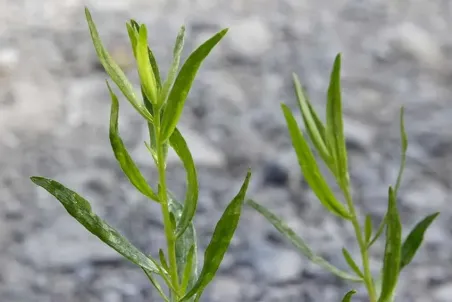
[(329, 142), (161, 106)]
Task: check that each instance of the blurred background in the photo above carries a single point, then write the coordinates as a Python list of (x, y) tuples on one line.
[(54, 112)]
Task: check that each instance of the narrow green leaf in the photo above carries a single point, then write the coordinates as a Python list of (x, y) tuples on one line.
[(381, 228), (393, 250), (348, 296), (144, 66), (219, 244), (184, 243), (310, 122), (133, 28), (183, 83), (179, 145), (414, 239), (81, 210), (299, 243), (310, 169), (163, 260), (368, 229), (174, 65), (136, 28), (132, 37), (126, 163), (114, 71), (334, 125), (157, 286), (187, 274), (352, 263), (404, 144)]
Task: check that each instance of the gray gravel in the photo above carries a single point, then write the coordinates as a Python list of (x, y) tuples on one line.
[(54, 111)]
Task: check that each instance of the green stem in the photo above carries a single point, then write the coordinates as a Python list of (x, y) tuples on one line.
[(163, 196), (368, 279)]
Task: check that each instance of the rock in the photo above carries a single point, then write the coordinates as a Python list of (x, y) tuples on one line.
[(425, 195), (417, 42), (443, 292), (9, 58), (278, 265), (359, 135), (65, 244), (226, 288), (275, 175), (251, 37)]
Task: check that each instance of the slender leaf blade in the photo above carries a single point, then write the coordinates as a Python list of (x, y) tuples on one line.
[(155, 283), (180, 146), (349, 259), (368, 229), (393, 250), (81, 210), (183, 83), (310, 122), (348, 296), (414, 239), (125, 161), (186, 246), (310, 169), (114, 71), (219, 244), (299, 243), (334, 125), (179, 45), (188, 269), (133, 28), (144, 66)]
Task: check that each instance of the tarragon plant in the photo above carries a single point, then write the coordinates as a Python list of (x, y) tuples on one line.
[(160, 103), (329, 143)]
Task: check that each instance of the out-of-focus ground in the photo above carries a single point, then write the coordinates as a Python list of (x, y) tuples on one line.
[(54, 111)]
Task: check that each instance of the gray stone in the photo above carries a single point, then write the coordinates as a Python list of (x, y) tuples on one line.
[(65, 244), (251, 37)]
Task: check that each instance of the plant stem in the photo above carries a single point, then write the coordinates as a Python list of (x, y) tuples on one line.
[(368, 279), (163, 196)]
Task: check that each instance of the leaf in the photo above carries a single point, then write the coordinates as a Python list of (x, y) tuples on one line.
[(393, 250), (81, 210), (133, 28), (348, 296), (404, 144), (179, 145), (126, 163), (368, 229), (183, 82), (132, 37), (380, 230), (156, 285), (414, 239), (335, 127), (187, 274), (114, 71), (311, 122), (299, 243), (186, 259), (175, 64), (352, 263), (145, 71), (219, 244), (163, 260), (310, 169)]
